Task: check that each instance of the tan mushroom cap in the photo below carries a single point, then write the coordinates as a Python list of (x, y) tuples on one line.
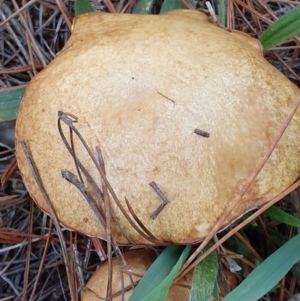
[(137, 262), (140, 85)]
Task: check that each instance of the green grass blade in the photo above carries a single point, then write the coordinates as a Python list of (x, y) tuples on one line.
[(268, 273), (9, 103), (204, 277), (279, 215), (156, 282), (216, 291), (143, 7), (82, 7), (286, 27), (169, 5), (222, 11)]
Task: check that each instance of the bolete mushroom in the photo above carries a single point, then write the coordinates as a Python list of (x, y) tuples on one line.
[(182, 111), (138, 261)]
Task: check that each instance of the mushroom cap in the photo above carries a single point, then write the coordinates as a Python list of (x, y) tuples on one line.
[(137, 262), (140, 86)]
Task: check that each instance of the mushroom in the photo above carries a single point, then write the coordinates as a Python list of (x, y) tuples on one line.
[(182, 112), (138, 261)]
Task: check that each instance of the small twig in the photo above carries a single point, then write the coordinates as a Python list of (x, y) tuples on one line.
[(28, 253), (108, 227), (10, 169), (287, 66), (110, 6), (188, 4), (32, 39), (165, 201), (39, 272), (249, 246), (168, 98), (18, 12), (138, 220), (20, 248), (201, 133), (128, 6), (99, 249), (74, 156), (65, 13)]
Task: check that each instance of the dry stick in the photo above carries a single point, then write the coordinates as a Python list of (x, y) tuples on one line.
[(19, 237), (18, 42), (230, 15), (188, 4), (28, 252), (254, 17), (122, 264), (25, 16), (75, 267), (110, 6), (241, 258), (281, 290), (12, 166), (11, 150), (32, 39), (17, 12), (13, 89), (165, 201), (237, 199), (74, 156), (39, 183), (119, 6), (265, 232), (240, 226), (128, 6), (254, 12), (243, 17), (292, 63), (107, 219), (138, 221), (287, 66), (8, 265), (64, 12), (287, 2), (248, 246), (88, 251), (42, 262), (21, 69), (98, 248)]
